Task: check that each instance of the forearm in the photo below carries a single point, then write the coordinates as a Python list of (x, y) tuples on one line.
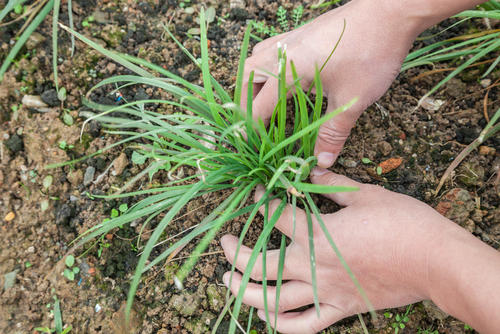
[(422, 14), (464, 279)]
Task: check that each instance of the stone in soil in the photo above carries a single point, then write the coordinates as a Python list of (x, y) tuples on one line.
[(34, 40), (64, 213), (50, 97), (186, 304), (94, 129), (120, 164), (239, 14), (458, 205), (9, 280), (89, 175), (15, 143), (75, 177), (385, 148), (471, 174)]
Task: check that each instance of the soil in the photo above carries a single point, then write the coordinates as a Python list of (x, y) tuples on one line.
[(43, 210)]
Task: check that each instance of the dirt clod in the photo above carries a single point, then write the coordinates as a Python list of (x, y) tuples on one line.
[(390, 164), (50, 98), (10, 216)]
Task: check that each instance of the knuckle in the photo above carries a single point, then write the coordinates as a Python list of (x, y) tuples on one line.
[(332, 134), (256, 275)]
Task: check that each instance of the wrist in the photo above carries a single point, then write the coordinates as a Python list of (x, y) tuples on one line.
[(422, 14), (463, 275)]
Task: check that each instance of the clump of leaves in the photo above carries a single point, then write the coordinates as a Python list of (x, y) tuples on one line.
[(225, 147)]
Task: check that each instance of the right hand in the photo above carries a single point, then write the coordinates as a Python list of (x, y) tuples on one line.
[(386, 238), (368, 58)]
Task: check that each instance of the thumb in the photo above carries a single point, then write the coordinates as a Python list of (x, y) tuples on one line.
[(332, 136), (325, 177)]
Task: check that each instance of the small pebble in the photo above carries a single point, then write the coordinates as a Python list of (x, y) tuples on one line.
[(348, 163), (97, 308), (51, 98), (485, 83), (31, 249), (10, 216), (385, 148), (89, 176), (486, 150), (119, 164), (33, 101)]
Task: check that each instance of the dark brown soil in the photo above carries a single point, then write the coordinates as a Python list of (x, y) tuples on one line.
[(47, 219)]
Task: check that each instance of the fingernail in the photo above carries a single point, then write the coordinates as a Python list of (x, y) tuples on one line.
[(259, 79), (225, 278), (318, 171), (326, 159), (261, 314)]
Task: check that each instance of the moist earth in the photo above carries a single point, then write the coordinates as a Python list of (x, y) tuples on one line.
[(43, 210)]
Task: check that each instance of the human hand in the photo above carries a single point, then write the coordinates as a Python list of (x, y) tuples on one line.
[(383, 236), (367, 60)]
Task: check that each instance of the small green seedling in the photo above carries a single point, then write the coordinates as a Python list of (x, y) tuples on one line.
[(64, 146), (71, 270), (367, 161), (429, 330), (58, 323), (86, 23), (400, 321), (115, 213), (284, 22), (67, 118)]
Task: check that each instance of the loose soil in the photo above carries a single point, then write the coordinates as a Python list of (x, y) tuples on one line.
[(40, 219)]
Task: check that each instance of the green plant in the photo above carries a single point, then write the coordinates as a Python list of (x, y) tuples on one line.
[(71, 269), (208, 139), (58, 323), (63, 145), (367, 161), (284, 23), (429, 330), (468, 49), (35, 13), (399, 320)]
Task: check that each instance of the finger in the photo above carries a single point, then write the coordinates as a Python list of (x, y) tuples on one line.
[(293, 294), (230, 243), (325, 177), (285, 223), (306, 321), (332, 136), (265, 100)]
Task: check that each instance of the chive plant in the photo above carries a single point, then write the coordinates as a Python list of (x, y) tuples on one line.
[(227, 149), (471, 47)]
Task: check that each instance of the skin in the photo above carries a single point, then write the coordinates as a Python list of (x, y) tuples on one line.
[(377, 39), (401, 253), (401, 250)]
